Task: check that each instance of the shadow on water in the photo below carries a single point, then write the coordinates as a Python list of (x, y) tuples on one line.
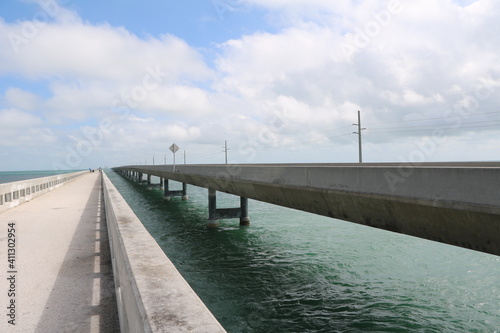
[(270, 278)]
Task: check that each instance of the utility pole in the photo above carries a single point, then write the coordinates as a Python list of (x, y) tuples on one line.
[(165, 159), (153, 160), (184, 157), (225, 149), (359, 137)]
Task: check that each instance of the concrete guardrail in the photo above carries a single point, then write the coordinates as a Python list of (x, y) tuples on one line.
[(151, 294), (16, 193)]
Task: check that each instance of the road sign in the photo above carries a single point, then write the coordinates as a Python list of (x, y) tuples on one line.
[(174, 148)]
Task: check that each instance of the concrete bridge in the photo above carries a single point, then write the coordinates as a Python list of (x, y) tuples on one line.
[(453, 203), (78, 259), (97, 240)]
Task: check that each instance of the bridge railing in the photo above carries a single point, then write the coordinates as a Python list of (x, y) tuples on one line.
[(16, 193)]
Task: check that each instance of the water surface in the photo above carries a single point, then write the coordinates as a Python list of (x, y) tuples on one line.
[(292, 271)]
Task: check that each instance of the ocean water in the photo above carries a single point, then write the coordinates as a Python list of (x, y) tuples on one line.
[(14, 176), (292, 271)]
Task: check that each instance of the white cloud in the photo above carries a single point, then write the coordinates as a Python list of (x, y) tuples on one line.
[(16, 120), (180, 100), (21, 99), (299, 87), (83, 51), (253, 62), (18, 128)]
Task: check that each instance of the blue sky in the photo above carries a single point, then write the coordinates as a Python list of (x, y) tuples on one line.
[(105, 83)]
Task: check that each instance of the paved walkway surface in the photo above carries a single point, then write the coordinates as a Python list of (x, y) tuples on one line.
[(62, 272)]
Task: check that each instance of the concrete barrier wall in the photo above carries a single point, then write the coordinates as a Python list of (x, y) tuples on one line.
[(151, 294), (16, 193)]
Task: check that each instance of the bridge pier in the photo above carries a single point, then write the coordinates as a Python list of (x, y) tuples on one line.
[(215, 214), (169, 194)]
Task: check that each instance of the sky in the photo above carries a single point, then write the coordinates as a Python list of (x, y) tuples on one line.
[(87, 84)]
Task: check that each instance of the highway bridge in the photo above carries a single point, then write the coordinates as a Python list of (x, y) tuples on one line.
[(89, 223), (453, 203)]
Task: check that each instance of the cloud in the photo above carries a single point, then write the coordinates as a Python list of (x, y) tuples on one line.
[(297, 88), (179, 100), (17, 120), (423, 51), (256, 60), (86, 52), (21, 99), (18, 128)]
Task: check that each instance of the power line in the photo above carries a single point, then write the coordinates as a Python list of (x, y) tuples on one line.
[(437, 118), (436, 128), (436, 125)]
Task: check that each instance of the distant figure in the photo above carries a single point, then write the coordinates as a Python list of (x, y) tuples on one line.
[(90, 170)]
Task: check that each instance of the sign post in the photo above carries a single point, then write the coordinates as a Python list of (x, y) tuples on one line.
[(174, 148)]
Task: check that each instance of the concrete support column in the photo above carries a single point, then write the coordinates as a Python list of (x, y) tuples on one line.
[(214, 214), (166, 192), (184, 192), (149, 182), (213, 221), (244, 219), (169, 194)]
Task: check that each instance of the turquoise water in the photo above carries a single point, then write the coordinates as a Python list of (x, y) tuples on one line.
[(14, 176), (292, 271)]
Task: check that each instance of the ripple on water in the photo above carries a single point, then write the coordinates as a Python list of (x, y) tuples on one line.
[(296, 272)]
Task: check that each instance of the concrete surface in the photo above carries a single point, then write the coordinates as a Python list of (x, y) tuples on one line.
[(64, 279), (152, 295), (453, 203)]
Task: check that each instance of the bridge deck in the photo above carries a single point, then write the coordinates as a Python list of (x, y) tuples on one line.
[(453, 203), (64, 280)]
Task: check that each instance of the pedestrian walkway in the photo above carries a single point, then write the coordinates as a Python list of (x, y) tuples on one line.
[(61, 266)]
